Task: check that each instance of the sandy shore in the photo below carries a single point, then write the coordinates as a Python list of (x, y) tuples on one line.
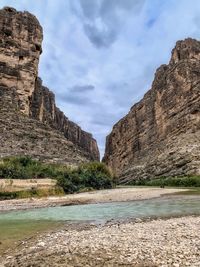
[(119, 194), (160, 243)]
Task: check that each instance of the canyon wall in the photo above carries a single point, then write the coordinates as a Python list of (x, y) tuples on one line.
[(160, 136), (20, 48), (27, 107), (43, 108)]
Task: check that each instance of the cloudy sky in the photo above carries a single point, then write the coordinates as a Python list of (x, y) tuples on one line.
[(99, 56)]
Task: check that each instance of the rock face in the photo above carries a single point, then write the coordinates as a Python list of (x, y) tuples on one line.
[(43, 108), (20, 47), (30, 121), (160, 136)]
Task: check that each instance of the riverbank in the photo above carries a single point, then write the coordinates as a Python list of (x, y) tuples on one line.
[(101, 196), (172, 242)]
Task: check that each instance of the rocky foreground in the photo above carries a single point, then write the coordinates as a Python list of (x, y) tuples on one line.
[(172, 242)]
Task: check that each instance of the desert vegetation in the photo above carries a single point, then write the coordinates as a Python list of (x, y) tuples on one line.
[(185, 181), (87, 176)]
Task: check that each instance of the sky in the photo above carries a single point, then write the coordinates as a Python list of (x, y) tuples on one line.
[(99, 56)]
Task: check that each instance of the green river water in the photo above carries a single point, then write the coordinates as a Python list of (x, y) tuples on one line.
[(17, 225)]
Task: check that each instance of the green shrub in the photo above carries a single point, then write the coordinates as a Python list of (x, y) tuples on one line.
[(187, 181), (19, 168), (27, 168), (92, 175)]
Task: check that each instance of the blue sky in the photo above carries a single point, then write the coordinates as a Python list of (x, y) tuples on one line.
[(99, 56)]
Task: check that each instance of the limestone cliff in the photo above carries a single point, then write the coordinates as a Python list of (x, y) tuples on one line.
[(160, 136), (20, 47), (30, 122), (43, 108)]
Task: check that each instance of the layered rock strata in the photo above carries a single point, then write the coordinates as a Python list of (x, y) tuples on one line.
[(20, 48), (160, 136), (27, 107), (43, 108)]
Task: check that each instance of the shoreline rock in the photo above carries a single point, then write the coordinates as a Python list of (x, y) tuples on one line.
[(172, 242)]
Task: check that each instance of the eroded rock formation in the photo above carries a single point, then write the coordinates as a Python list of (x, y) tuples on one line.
[(160, 136), (30, 122), (43, 108), (20, 47)]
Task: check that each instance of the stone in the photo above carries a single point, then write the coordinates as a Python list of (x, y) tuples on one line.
[(30, 122), (160, 136), (41, 244), (129, 245)]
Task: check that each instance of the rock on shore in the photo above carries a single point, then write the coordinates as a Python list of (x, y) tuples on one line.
[(173, 242)]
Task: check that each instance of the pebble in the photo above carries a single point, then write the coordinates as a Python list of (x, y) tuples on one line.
[(169, 243)]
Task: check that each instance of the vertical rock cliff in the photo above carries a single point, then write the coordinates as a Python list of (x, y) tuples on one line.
[(43, 108), (27, 107), (160, 136), (20, 47)]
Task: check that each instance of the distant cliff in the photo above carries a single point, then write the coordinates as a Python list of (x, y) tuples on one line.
[(27, 107), (160, 136)]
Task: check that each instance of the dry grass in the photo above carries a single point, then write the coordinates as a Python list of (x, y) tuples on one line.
[(13, 185)]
